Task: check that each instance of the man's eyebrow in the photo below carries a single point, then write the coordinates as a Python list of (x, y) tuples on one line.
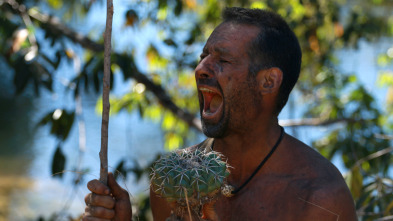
[(221, 50)]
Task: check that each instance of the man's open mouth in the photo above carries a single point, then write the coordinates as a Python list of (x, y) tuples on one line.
[(212, 103)]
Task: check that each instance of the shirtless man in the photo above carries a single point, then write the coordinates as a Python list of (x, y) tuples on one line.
[(248, 67)]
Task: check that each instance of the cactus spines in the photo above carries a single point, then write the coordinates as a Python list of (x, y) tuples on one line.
[(195, 175)]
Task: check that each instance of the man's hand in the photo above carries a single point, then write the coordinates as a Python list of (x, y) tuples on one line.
[(105, 203)]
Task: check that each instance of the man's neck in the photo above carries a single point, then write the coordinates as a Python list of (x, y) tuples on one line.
[(245, 152)]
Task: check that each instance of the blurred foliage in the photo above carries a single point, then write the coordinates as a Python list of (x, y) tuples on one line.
[(323, 27)]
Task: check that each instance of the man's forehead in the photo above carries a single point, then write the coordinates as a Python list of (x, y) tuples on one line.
[(227, 34), (222, 32)]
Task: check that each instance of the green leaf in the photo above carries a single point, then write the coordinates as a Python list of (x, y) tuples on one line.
[(58, 163), (385, 79), (131, 17), (168, 121), (61, 122), (173, 141), (162, 13), (259, 4), (383, 60), (56, 4), (356, 183), (170, 42), (162, 3), (352, 79), (389, 208), (120, 170), (22, 75), (178, 8)]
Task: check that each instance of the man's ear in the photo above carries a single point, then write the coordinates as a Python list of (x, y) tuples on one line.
[(269, 80)]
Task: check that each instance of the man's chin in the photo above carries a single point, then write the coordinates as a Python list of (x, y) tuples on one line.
[(214, 130)]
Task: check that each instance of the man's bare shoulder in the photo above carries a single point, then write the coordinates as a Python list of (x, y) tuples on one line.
[(298, 155), (319, 184)]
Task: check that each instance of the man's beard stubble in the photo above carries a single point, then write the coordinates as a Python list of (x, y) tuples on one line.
[(216, 130)]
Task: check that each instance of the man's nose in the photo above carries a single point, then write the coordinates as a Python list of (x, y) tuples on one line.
[(204, 70)]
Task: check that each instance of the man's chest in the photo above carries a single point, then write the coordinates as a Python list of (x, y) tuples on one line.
[(276, 200), (255, 206)]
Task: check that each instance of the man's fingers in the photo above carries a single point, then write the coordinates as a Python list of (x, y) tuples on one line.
[(117, 191), (101, 212), (123, 204), (97, 187), (105, 201)]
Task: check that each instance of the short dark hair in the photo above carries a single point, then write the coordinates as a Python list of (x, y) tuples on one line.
[(275, 46)]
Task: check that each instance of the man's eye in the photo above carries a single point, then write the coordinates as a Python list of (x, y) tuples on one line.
[(202, 56), (223, 61)]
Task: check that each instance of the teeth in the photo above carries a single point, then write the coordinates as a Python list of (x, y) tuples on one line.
[(206, 90)]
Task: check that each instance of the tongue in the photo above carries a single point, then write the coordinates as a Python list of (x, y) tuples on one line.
[(215, 103)]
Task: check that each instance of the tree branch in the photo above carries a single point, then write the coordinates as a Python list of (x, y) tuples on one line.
[(314, 122), (384, 136), (105, 94), (372, 156), (54, 25)]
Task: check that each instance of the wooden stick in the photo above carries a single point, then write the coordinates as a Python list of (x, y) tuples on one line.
[(105, 94), (188, 205)]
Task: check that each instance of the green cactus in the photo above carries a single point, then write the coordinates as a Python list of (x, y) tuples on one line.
[(190, 178)]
